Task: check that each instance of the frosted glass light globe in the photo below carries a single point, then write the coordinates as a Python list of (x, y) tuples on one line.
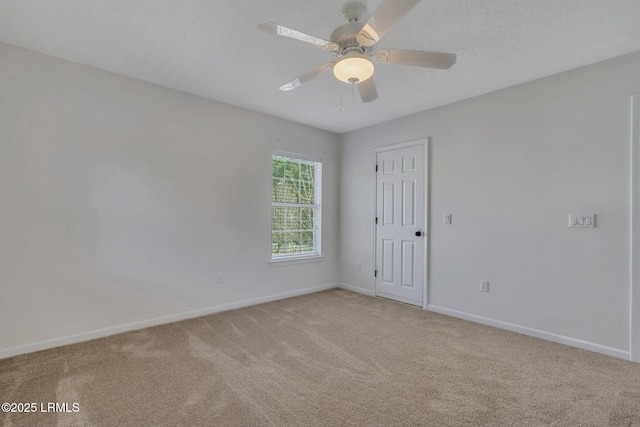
[(353, 69)]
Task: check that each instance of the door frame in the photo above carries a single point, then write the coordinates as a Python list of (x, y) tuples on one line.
[(424, 142), (634, 306)]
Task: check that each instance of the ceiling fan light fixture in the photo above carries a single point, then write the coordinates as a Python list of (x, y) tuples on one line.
[(353, 69)]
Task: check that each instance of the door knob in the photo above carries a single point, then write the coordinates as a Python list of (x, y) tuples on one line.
[(418, 233)]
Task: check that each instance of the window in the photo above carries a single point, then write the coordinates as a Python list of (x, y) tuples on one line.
[(296, 189)]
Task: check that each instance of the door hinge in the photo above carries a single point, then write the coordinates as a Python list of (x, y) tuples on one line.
[(376, 167), (375, 273), (376, 220)]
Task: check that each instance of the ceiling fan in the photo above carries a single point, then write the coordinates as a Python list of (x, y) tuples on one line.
[(355, 44)]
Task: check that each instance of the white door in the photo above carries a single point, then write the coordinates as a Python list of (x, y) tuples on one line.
[(400, 224)]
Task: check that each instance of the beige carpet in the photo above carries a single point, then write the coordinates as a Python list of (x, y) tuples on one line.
[(329, 359)]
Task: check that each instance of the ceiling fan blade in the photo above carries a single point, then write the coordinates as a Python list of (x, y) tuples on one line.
[(389, 12), (367, 90), (416, 58), (271, 27), (308, 76)]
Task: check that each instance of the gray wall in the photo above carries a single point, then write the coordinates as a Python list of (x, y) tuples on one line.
[(510, 166), (120, 201)]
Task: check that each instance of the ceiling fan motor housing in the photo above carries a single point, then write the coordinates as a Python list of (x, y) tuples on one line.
[(345, 37)]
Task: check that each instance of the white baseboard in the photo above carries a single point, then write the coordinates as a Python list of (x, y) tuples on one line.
[(549, 336), (100, 333), (363, 291)]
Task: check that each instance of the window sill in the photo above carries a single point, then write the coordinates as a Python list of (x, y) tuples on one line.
[(280, 262)]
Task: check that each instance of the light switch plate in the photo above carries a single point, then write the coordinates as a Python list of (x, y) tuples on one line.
[(484, 286), (585, 220)]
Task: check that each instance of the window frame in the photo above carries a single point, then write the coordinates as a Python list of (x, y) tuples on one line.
[(315, 255)]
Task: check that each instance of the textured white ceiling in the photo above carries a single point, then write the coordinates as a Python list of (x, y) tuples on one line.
[(214, 48)]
